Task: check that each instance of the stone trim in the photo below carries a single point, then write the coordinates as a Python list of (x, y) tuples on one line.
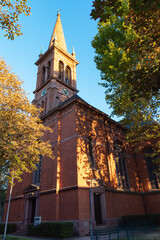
[(15, 198)]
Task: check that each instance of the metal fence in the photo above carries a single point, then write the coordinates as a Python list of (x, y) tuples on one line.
[(124, 232)]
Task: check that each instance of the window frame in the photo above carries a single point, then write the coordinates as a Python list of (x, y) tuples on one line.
[(121, 166), (68, 75), (49, 70), (43, 74), (91, 156), (61, 71), (37, 173), (151, 165)]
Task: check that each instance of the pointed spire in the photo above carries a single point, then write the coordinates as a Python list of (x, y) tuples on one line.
[(41, 50), (58, 34), (73, 52)]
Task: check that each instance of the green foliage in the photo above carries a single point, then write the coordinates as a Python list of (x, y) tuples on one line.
[(127, 48), (140, 220), (9, 16), (51, 229), (11, 228)]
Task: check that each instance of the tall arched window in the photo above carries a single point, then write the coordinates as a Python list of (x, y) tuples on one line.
[(61, 70), (152, 167), (43, 74), (37, 173), (49, 70), (90, 151), (120, 161), (68, 75)]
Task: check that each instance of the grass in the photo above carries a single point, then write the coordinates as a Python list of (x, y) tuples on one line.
[(9, 237)]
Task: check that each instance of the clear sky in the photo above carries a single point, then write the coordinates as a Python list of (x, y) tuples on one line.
[(79, 30)]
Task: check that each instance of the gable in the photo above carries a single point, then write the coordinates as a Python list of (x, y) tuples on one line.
[(31, 188)]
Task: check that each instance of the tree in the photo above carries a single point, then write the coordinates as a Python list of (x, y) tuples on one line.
[(127, 48), (21, 130), (9, 16)]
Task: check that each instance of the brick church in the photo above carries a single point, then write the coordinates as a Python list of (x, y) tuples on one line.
[(90, 151)]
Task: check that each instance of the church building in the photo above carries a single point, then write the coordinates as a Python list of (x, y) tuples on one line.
[(90, 152)]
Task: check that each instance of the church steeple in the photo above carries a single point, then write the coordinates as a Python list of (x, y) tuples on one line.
[(58, 34), (56, 77)]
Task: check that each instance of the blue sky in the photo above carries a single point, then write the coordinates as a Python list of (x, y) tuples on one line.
[(79, 30)]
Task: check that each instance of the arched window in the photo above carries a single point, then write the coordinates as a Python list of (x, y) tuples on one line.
[(68, 75), (61, 70), (120, 161), (43, 74), (49, 70), (152, 167), (90, 149), (37, 173)]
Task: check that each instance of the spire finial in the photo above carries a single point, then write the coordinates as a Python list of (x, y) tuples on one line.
[(73, 52), (42, 50)]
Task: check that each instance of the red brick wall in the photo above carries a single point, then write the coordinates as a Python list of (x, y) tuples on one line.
[(16, 212), (68, 202), (84, 204), (47, 207), (68, 175), (120, 204), (48, 174), (152, 203), (68, 163)]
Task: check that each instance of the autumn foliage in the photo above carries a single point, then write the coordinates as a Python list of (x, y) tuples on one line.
[(9, 16), (21, 130)]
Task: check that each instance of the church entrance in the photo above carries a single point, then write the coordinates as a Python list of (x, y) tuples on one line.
[(97, 208), (32, 206)]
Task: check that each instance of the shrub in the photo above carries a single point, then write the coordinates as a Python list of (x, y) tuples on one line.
[(11, 228), (51, 229), (140, 220)]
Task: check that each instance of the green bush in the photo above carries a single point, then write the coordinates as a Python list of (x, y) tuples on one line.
[(11, 228), (14, 238), (51, 229), (140, 220)]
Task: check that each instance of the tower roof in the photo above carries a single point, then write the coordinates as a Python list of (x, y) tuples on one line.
[(58, 34)]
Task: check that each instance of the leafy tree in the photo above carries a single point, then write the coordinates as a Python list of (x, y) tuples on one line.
[(127, 48), (9, 16), (21, 130)]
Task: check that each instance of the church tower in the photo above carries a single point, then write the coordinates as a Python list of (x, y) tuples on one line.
[(56, 77)]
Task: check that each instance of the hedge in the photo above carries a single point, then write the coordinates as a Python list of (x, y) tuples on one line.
[(51, 229), (11, 228), (140, 220)]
